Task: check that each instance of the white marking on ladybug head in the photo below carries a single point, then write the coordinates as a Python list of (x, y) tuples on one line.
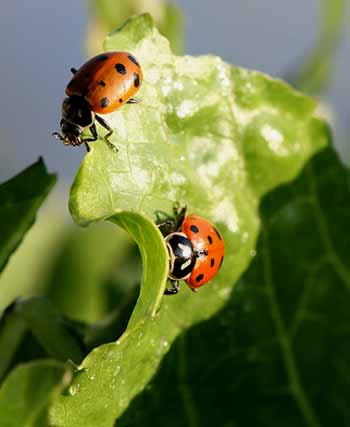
[(186, 250), (186, 264)]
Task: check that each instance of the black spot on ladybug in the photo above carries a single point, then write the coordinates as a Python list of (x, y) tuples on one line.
[(210, 240), (120, 68), (120, 100), (102, 83), (136, 80), (199, 278), (217, 233), (222, 258), (194, 228), (133, 59), (101, 58), (104, 102), (212, 262)]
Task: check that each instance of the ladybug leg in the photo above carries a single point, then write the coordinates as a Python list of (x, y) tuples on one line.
[(103, 123), (94, 137), (161, 216), (179, 216), (174, 288), (73, 70), (166, 227), (57, 136), (133, 101), (164, 222)]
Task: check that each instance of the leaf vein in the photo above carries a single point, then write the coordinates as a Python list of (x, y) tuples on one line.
[(342, 271), (289, 361)]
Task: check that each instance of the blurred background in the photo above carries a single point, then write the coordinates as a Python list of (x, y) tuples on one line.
[(308, 43), (42, 40)]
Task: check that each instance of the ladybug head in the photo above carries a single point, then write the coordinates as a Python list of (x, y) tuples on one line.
[(71, 133), (182, 258), (76, 116)]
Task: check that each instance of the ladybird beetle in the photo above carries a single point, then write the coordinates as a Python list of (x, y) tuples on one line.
[(103, 84), (195, 248)]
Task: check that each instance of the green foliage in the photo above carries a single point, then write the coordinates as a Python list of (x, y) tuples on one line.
[(12, 330), (20, 198), (210, 136), (87, 261), (277, 353), (25, 274), (28, 391), (53, 334)]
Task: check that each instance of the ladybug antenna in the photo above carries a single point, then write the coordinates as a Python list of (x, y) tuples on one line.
[(58, 136)]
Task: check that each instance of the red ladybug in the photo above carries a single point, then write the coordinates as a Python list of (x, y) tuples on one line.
[(101, 85), (195, 248)]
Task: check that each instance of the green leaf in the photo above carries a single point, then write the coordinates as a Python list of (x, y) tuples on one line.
[(50, 329), (210, 136), (28, 390), (278, 353), (133, 346), (12, 330), (81, 270), (314, 74), (54, 335), (20, 198), (26, 274)]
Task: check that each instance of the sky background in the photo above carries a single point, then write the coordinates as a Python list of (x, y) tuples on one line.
[(42, 39)]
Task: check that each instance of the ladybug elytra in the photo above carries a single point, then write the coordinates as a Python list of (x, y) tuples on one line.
[(102, 85), (195, 248)]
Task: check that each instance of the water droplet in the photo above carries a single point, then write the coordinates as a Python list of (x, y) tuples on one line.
[(74, 389)]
